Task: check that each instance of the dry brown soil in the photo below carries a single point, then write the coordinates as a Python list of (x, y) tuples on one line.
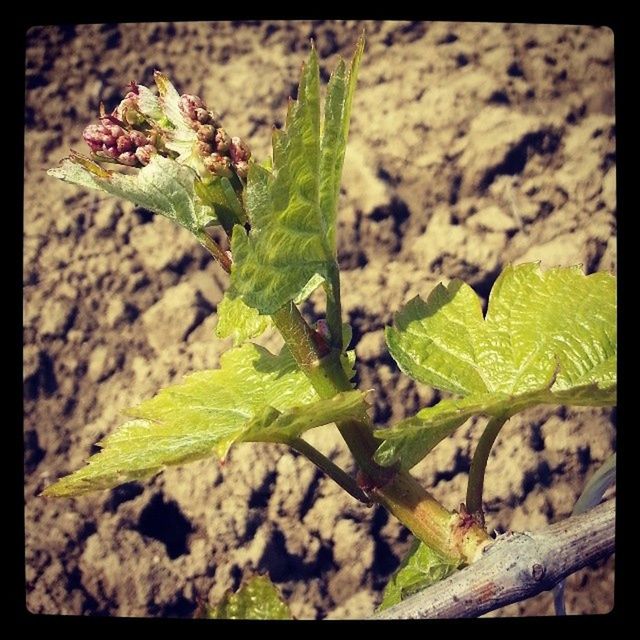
[(472, 146)]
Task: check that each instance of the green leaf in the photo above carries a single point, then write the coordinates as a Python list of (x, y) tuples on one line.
[(314, 282), (421, 568), (348, 357), (219, 194), (239, 321), (257, 599), (548, 338), (163, 186), (292, 208), (254, 397), (596, 487), (181, 138), (337, 116)]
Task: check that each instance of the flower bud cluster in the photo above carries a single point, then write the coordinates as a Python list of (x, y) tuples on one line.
[(222, 155), (116, 139), (129, 138), (110, 141)]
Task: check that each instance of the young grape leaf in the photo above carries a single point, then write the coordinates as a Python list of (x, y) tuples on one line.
[(219, 194), (292, 208), (163, 186), (419, 569), (257, 599), (254, 396), (182, 137), (238, 320), (164, 111), (548, 338), (337, 116)]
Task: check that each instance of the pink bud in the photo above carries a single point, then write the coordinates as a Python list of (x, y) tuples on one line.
[(188, 105), (138, 138), (202, 116), (98, 134), (218, 165), (222, 141), (114, 129), (108, 153), (238, 150), (143, 154), (322, 328), (124, 143), (128, 159), (242, 169), (204, 148), (206, 133)]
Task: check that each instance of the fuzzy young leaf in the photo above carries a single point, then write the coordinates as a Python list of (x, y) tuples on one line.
[(183, 137), (254, 397), (548, 338), (292, 208), (163, 186), (237, 320), (337, 116), (222, 198), (164, 110), (257, 599), (419, 569)]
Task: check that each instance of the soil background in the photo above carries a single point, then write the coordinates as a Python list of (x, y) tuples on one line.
[(472, 146)]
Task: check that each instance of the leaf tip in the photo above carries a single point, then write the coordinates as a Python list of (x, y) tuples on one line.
[(88, 164), (55, 490), (162, 82), (46, 492)]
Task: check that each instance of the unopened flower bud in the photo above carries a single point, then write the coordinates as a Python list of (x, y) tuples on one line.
[(242, 169), (138, 138), (206, 133), (214, 119), (188, 105), (143, 154), (110, 141), (218, 165), (108, 153), (238, 150), (222, 141), (114, 129), (124, 143), (322, 329), (204, 148), (97, 135), (128, 159), (202, 116)]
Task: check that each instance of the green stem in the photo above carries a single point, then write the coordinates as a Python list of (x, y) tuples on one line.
[(448, 533), (479, 465), (334, 308), (215, 250), (331, 469), (305, 344)]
